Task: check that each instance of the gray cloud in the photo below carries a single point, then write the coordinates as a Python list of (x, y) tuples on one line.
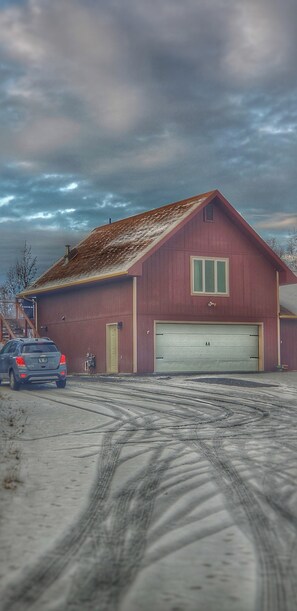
[(140, 104)]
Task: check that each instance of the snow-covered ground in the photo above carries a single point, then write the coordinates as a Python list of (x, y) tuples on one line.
[(165, 493)]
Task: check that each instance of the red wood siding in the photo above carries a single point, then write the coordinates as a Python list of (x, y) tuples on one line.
[(87, 311), (164, 290), (289, 343)]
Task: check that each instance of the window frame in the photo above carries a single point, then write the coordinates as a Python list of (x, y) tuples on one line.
[(216, 260)]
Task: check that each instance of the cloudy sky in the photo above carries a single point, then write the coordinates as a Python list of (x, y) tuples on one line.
[(112, 107)]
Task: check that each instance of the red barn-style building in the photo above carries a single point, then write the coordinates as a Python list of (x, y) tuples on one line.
[(188, 287)]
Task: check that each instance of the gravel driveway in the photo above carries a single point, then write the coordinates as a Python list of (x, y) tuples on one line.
[(165, 493)]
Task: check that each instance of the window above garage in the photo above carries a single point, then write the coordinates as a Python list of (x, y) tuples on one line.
[(210, 276)]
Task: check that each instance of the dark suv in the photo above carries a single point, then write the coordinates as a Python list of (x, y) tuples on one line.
[(32, 360)]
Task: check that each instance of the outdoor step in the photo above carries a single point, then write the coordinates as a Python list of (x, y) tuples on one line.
[(15, 327)]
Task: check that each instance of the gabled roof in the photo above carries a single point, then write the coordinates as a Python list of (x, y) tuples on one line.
[(111, 250), (119, 248)]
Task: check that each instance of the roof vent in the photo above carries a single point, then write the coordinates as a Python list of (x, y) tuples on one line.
[(67, 253)]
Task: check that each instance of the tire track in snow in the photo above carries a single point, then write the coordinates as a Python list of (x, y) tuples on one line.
[(103, 539)]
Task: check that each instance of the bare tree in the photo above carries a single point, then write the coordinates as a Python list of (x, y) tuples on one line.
[(4, 297), (277, 246), (292, 242), (287, 251), (21, 274)]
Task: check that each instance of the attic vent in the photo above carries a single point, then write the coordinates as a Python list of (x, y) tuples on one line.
[(208, 213)]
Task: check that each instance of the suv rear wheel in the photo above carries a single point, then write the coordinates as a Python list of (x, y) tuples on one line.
[(61, 383), (14, 385)]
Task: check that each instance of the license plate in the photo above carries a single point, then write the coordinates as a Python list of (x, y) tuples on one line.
[(42, 359)]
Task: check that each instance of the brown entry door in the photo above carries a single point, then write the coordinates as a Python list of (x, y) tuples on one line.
[(112, 351)]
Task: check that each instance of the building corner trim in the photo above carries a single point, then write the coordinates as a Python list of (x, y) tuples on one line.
[(278, 321), (134, 324)]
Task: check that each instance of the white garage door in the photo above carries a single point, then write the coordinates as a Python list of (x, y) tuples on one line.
[(192, 347)]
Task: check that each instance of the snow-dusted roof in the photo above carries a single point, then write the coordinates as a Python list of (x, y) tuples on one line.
[(288, 298), (111, 250)]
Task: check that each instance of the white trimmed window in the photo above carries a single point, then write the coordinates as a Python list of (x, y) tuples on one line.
[(210, 276)]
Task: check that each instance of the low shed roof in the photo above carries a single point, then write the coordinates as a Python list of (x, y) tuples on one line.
[(288, 299)]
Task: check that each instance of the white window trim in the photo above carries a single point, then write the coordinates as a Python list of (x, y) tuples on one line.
[(203, 259)]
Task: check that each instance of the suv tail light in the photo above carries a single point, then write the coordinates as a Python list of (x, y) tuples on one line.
[(62, 359), (20, 361)]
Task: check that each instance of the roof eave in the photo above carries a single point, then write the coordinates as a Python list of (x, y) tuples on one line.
[(31, 291), (287, 277)]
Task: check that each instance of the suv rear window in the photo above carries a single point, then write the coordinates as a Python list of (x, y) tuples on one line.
[(31, 348)]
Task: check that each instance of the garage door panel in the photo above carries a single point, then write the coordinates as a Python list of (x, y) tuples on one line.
[(167, 340), (216, 366), (201, 329), (208, 352), (197, 347)]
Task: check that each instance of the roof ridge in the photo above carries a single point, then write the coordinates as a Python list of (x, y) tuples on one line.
[(188, 200)]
